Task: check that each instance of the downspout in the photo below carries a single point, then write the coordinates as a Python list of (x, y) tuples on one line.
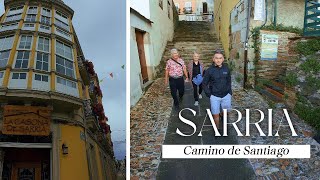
[(245, 73), (275, 3), (245, 76)]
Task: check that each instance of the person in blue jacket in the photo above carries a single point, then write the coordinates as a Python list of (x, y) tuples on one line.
[(217, 86)]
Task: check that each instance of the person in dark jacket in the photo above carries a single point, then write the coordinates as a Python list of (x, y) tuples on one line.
[(217, 86)]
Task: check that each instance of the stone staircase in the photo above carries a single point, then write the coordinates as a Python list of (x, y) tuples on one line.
[(272, 90), (193, 36)]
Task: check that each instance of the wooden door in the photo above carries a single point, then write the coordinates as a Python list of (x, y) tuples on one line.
[(205, 7), (142, 56), (26, 171)]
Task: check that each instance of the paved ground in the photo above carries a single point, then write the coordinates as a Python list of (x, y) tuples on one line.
[(200, 168), (153, 123)]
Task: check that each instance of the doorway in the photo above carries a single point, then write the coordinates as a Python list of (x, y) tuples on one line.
[(142, 56), (26, 164), (26, 171), (205, 7)]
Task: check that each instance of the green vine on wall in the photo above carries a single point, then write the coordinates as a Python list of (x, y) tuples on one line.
[(256, 43), (282, 28)]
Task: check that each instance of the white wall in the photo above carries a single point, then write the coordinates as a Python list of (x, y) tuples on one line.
[(157, 34), (66, 89), (18, 83), (40, 85)]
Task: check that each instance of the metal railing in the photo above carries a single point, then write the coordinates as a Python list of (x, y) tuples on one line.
[(195, 17), (312, 18)]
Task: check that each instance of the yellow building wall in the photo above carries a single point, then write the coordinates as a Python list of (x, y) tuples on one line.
[(99, 165), (222, 9), (74, 165)]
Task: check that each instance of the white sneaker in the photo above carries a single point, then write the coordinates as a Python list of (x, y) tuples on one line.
[(200, 96), (196, 103)]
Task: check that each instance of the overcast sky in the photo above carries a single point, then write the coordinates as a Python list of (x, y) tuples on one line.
[(100, 26)]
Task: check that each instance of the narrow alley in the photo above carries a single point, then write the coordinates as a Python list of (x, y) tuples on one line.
[(264, 60)]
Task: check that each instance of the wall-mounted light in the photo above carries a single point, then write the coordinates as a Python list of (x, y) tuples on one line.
[(64, 149)]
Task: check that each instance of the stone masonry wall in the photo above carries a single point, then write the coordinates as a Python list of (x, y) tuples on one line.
[(271, 70)]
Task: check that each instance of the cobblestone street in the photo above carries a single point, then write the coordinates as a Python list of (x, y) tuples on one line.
[(153, 123)]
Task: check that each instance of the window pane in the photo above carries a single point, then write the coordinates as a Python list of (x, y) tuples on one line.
[(69, 64), (69, 73), (60, 69), (20, 54), (15, 76), (4, 56), (25, 64), (45, 57), (26, 55), (23, 75), (1, 74), (37, 77), (38, 65), (18, 64), (45, 78), (45, 66)]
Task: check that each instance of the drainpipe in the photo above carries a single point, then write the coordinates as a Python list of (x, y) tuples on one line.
[(275, 3), (245, 76)]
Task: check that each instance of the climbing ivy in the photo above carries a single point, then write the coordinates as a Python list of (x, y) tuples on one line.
[(308, 47), (291, 79), (311, 65), (308, 113), (282, 28)]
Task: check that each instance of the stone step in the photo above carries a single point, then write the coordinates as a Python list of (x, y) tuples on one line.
[(274, 92), (270, 96), (276, 86)]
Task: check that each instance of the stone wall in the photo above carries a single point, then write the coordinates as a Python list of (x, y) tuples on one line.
[(272, 70)]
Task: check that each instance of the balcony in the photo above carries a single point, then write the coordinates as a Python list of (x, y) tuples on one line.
[(91, 119)]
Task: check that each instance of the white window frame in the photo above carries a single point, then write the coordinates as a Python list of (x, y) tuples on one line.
[(62, 24), (64, 46), (4, 47), (22, 60), (42, 62), (65, 67), (17, 17), (67, 82), (63, 33), (43, 45), (61, 15), (9, 26), (15, 10), (19, 75), (4, 59), (46, 20), (24, 47), (31, 10), (28, 25), (41, 77), (30, 20), (47, 29), (44, 12)]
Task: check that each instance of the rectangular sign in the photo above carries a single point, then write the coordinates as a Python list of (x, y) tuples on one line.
[(26, 120), (269, 47), (235, 151), (259, 10)]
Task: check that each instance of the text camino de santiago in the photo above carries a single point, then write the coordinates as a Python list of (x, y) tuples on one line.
[(247, 150), (188, 150)]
